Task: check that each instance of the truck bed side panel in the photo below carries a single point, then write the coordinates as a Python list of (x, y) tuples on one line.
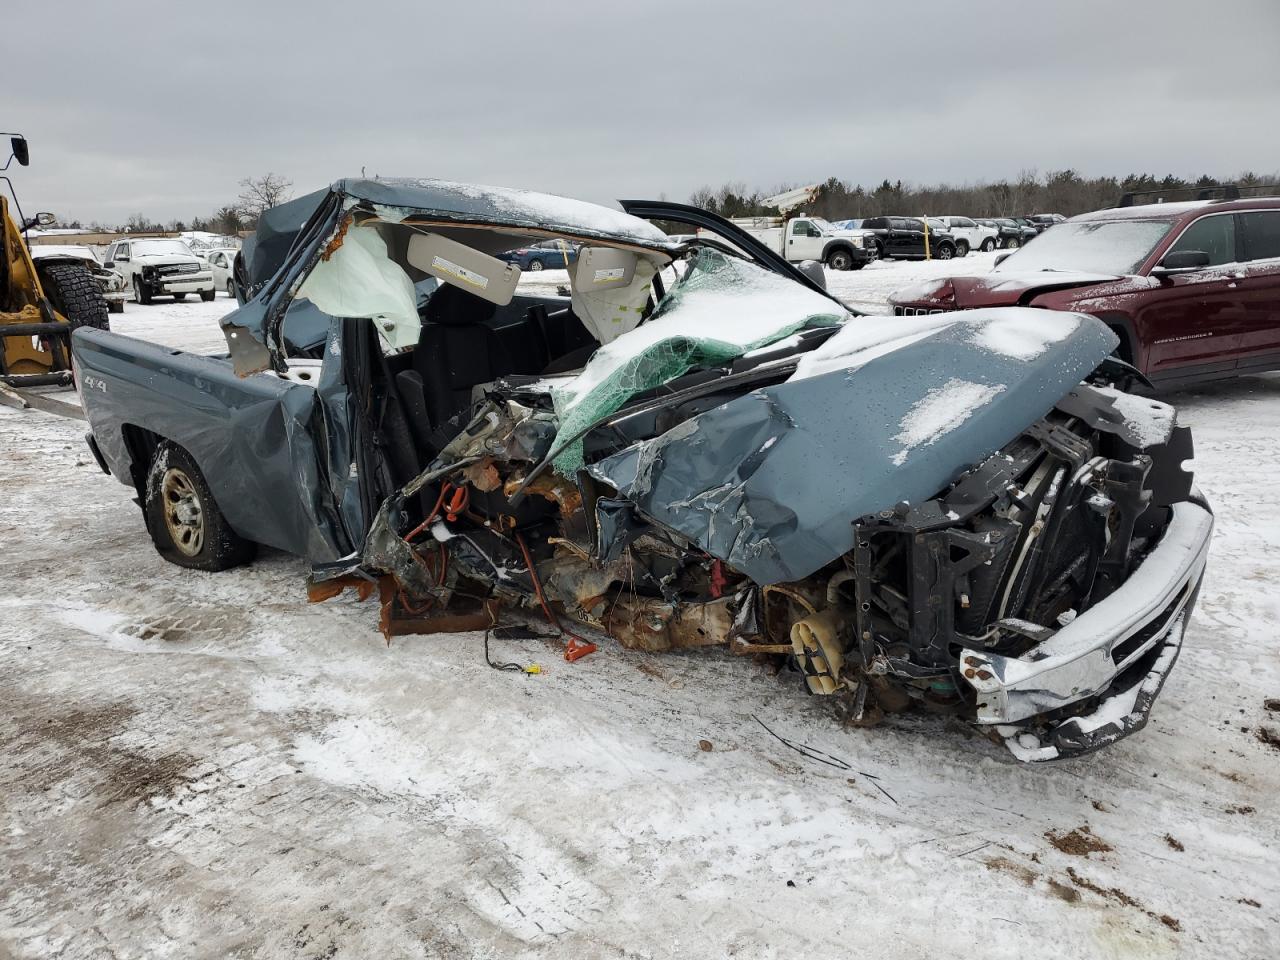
[(258, 440)]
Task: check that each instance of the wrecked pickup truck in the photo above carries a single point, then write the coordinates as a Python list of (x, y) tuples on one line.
[(697, 446)]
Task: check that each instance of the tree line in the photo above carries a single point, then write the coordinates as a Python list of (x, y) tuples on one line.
[(1059, 191), (257, 194)]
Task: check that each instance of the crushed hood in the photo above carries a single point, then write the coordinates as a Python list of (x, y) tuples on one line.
[(772, 482), (994, 289)]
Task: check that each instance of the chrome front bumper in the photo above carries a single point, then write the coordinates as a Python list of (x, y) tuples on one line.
[(1121, 649)]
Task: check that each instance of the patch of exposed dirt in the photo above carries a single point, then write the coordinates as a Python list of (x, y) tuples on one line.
[(81, 739), (1269, 737), (1249, 902), (1272, 704), (1243, 810), (1080, 842), (1004, 865), (1116, 895), (1174, 843)]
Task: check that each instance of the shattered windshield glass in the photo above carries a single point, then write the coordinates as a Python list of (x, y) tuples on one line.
[(1104, 246), (721, 308)]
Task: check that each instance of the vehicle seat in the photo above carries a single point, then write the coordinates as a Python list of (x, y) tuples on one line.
[(456, 351)]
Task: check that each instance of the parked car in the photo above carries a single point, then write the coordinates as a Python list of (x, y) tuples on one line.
[(1010, 234), (967, 518), (847, 224), (1192, 290), (902, 238), (811, 238), (544, 255), (222, 265), (154, 266), (1027, 224), (1044, 221), (970, 234)]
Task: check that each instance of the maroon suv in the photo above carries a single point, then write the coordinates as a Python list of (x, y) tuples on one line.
[(1192, 289)]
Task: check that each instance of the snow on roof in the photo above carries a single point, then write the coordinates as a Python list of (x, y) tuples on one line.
[(1147, 211), (506, 206)]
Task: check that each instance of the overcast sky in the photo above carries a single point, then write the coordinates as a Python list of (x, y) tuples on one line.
[(163, 108)]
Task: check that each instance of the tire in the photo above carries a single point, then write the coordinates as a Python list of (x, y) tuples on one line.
[(74, 293), (141, 292), (1013, 243), (208, 295), (179, 297), (946, 252), (536, 265), (231, 290), (183, 518), (988, 245), (877, 252), (840, 260), (962, 248), (115, 306)]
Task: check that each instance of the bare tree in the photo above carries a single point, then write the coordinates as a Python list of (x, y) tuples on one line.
[(262, 193)]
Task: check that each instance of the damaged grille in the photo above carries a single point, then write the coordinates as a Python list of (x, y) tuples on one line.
[(169, 269)]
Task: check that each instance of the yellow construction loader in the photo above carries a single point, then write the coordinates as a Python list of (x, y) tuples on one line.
[(42, 301)]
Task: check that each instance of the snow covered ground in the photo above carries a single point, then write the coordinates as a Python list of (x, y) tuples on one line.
[(203, 765)]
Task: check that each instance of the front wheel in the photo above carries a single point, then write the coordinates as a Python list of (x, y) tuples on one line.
[(207, 295), (535, 265), (1013, 243), (962, 248), (988, 245), (231, 290), (946, 253), (840, 260), (876, 251), (183, 518), (179, 297), (141, 292)]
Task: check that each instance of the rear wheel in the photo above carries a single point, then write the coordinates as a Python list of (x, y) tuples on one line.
[(179, 296), (535, 265), (183, 519), (988, 245), (74, 293), (876, 251), (1013, 243), (840, 260), (962, 248)]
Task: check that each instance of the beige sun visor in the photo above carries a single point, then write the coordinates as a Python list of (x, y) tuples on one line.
[(610, 288), (451, 262)]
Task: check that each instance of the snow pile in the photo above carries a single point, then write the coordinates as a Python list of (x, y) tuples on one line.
[(939, 412)]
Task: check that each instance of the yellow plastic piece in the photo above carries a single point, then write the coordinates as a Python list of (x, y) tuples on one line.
[(818, 634), (533, 668)]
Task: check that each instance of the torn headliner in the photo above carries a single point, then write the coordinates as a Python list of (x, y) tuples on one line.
[(292, 237), (772, 482)]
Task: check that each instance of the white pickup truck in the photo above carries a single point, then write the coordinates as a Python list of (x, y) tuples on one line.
[(971, 235), (812, 238), (155, 266)]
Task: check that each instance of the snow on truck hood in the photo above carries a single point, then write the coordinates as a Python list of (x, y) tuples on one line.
[(884, 412)]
